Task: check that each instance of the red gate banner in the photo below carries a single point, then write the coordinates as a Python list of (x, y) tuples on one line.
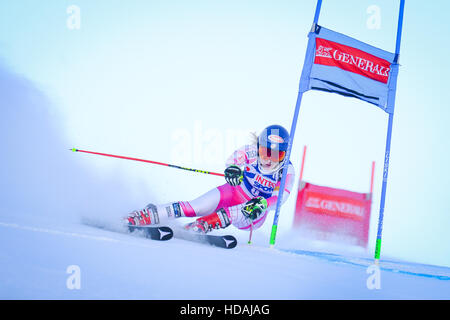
[(333, 213), (330, 53)]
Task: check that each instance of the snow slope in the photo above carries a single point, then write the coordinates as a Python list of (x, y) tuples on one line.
[(35, 258)]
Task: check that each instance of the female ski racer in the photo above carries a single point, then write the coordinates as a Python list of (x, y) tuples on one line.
[(253, 177)]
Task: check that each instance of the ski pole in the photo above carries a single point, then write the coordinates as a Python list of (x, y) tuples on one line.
[(147, 161)]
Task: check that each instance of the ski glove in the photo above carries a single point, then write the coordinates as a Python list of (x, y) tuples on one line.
[(254, 208), (233, 175)]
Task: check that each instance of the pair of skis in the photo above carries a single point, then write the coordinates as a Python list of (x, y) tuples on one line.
[(164, 233)]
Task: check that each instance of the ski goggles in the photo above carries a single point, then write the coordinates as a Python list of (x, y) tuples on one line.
[(272, 155)]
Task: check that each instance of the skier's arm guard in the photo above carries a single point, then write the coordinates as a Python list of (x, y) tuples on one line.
[(242, 156)]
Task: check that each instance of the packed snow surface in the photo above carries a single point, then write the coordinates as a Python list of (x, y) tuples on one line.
[(38, 260)]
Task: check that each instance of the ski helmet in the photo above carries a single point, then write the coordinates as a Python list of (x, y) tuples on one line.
[(272, 147)]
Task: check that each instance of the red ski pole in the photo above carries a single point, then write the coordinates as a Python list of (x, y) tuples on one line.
[(147, 161)]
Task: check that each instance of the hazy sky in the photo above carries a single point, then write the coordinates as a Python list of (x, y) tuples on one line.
[(185, 81)]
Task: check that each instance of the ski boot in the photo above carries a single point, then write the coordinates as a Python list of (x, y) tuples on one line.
[(216, 220), (147, 216), (153, 214)]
